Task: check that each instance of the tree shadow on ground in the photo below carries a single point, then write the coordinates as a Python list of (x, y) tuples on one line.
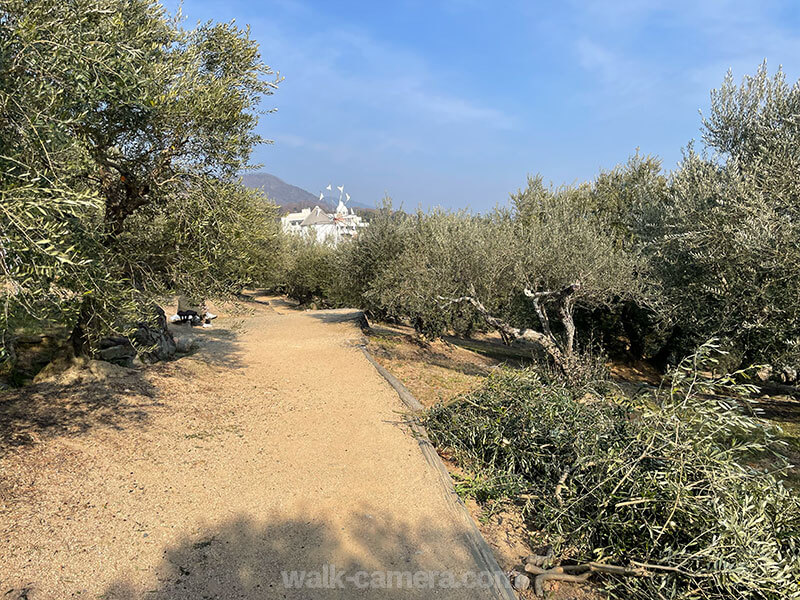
[(215, 345), (339, 315), (34, 412), (376, 554), (101, 394), (517, 354)]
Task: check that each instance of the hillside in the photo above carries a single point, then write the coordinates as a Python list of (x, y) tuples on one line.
[(289, 197)]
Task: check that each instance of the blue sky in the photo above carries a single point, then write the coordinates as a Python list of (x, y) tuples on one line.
[(454, 102)]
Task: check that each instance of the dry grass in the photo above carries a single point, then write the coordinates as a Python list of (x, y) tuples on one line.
[(434, 371)]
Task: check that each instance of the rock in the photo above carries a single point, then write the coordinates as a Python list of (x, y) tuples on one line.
[(113, 340), (522, 582), (66, 371), (121, 354), (33, 352), (155, 339), (100, 370), (55, 370), (185, 344)]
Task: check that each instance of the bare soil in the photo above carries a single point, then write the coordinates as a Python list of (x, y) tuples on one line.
[(274, 446)]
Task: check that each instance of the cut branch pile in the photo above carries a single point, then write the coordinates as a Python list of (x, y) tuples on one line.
[(658, 495)]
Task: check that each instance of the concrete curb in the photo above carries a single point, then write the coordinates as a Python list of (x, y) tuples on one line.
[(480, 550)]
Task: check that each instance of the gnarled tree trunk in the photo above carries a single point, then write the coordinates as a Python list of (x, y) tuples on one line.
[(564, 301)]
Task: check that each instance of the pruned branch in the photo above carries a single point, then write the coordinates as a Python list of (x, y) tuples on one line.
[(537, 565), (579, 573)]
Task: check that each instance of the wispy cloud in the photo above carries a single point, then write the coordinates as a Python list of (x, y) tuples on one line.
[(390, 79), (636, 71), (452, 109), (395, 97), (627, 81)]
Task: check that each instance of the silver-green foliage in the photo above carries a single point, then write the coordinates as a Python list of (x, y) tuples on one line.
[(726, 247), (572, 234), (121, 134), (666, 482), (403, 266), (310, 269)]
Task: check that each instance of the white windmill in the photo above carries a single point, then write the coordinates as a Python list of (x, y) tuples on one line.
[(344, 222), (344, 198)]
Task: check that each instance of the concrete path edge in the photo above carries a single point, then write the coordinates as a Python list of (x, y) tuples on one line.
[(480, 550)]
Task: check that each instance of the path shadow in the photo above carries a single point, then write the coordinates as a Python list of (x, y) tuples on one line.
[(38, 411), (377, 554)]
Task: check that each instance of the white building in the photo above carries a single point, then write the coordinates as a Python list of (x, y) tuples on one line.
[(342, 224)]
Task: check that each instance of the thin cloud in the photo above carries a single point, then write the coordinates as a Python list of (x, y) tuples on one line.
[(389, 79), (622, 78)]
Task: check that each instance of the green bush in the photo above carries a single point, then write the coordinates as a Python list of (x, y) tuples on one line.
[(665, 482), (310, 270), (372, 254)]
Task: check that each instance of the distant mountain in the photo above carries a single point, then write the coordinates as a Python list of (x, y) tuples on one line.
[(291, 198)]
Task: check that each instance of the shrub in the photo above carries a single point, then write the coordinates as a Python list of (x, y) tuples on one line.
[(310, 270), (363, 262)]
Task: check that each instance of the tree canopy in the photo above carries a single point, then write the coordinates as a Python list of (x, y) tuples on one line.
[(121, 138)]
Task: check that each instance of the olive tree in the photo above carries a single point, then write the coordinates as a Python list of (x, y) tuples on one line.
[(727, 249), (443, 254), (363, 262), (561, 253), (114, 119)]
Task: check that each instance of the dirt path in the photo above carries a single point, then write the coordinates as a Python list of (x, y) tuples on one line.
[(273, 449)]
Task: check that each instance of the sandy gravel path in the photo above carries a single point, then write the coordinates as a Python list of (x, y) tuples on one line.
[(276, 447)]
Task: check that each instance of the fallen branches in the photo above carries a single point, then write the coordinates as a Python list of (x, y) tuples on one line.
[(654, 492), (536, 565), (575, 573)]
